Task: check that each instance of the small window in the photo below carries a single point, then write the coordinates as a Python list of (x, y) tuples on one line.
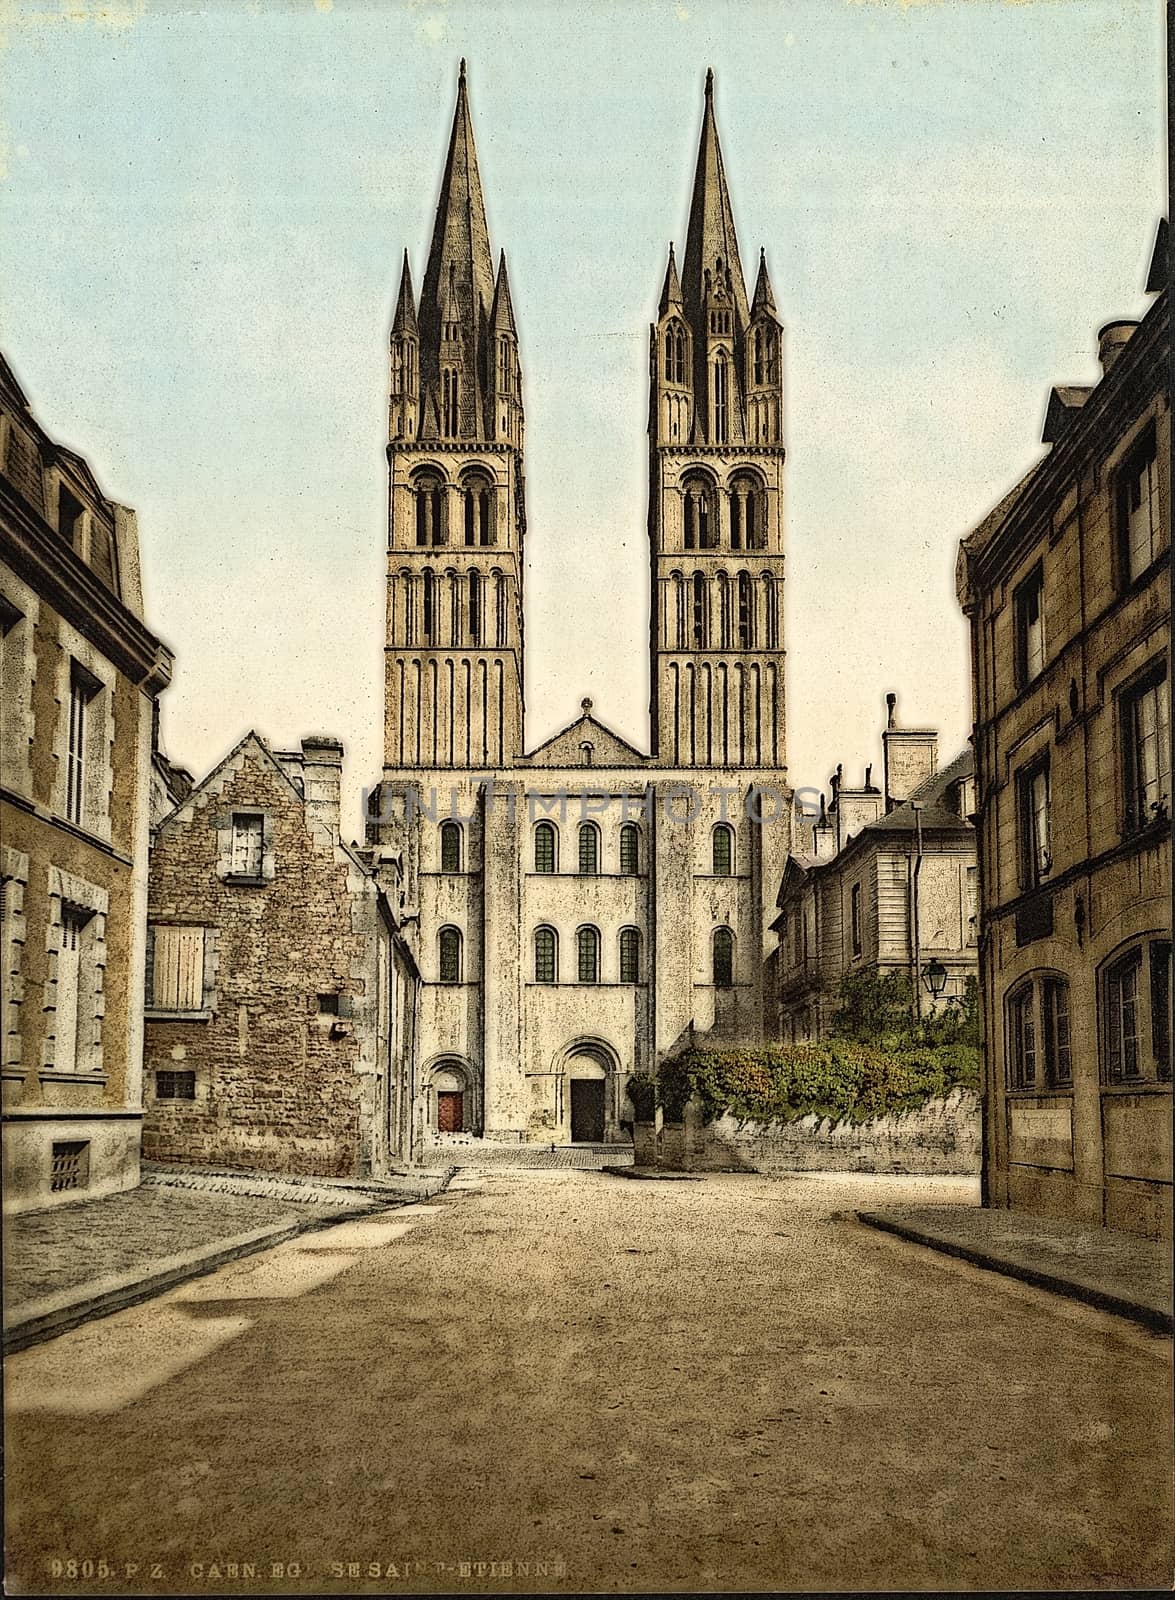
[(450, 847), (1145, 718), (83, 688), (630, 955), (588, 950), (723, 958), (1029, 621), (248, 846), (69, 1165), (722, 849), (589, 847), (175, 1085), (1022, 1038), (630, 849), (1138, 509), (1058, 1062), (544, 847), (70, 513), (545, 956), (1123, 1045), (1032, 797), (449, 941), (855, 917), (328, 1005)]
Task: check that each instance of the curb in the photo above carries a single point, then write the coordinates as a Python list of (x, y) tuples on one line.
[(1158, 1320), (653, 1173), (45, 1319)]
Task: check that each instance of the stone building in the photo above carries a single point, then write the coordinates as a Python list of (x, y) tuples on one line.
[(280, 996), (79, 674), (883, 881), (1067, 588), (581, 908)]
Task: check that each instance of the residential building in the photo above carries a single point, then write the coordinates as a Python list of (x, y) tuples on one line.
[(280, 995), (583, 907), (79, 675), (1067, 588), (882, 881)]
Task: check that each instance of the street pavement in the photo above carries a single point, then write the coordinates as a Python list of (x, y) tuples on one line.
[(550, 1381)]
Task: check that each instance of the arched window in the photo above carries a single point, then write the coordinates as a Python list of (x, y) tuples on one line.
[(723, 611), (630, 849), (430, 606), (455, 598), (771, 611), (478, 495), (475, 608), (670, 351), (546, 955), (720, 399), (588, 948), (701, 610), (722, 850), (700, 527), (758, 355), (409, 608), (430, 514), (746, 612), (1038, 1044), (544, 847), (723, 961), (679, 608), (630, 955), (450, 847), (747, 529), (449, 947), (1135, 997), (589, 847), (499, 610), (449, 403), (505, 366), (679, 356)]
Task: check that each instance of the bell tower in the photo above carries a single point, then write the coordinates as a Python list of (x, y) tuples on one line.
[(456, 507), (716, 457)]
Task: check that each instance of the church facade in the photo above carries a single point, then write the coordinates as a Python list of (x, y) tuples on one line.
[(582, 909)]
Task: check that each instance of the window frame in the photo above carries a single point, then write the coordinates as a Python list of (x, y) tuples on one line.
[(722, 967), (724, 830), (1028, 589), (1140, 461), (588, 830), (587, 943), (450, 954), (1147, 958), (452, 842), (630, 955), (546, 830), (630, 850), (540, 963), (1035, 863), (1129, 697)]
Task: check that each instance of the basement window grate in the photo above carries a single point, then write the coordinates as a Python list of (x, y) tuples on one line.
[(175, 1086), (71, 1165)]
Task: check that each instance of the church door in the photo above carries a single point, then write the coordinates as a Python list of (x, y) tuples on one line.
[(450, 1111), (587, 1110)]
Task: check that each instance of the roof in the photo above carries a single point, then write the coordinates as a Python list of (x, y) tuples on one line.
[(1064, 400), (1157, 276), (932, 797), (710, 235), (565, 748), (460, 237)]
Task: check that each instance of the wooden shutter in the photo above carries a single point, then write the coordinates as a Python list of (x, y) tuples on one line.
[(178, 976)]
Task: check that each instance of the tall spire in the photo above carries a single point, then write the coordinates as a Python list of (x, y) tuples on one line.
[(460, 238), (711, 236), (502, 312), (671, 291), (763, 299), (404, 320)]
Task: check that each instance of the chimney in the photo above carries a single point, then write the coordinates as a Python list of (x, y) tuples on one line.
[(322, 773), (1110, 341), (823, 836), (910, 755)]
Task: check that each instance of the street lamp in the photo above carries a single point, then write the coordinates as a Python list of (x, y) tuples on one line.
[(934, 976)]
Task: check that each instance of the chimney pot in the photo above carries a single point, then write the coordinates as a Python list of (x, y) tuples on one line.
[(1110, 341)]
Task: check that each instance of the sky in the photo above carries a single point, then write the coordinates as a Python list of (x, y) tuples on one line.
[(202, 215)]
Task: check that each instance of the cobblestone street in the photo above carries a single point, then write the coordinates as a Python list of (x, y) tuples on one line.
[(564, 1381)]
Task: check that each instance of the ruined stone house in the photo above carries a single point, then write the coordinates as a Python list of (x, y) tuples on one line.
[(280, 996)]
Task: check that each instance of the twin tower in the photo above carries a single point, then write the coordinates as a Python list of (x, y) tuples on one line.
[(457, 512)]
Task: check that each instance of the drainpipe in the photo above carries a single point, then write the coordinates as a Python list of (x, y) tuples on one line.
[(915, 940)]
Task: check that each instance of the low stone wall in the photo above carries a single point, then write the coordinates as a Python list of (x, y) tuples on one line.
[(942, 1136)]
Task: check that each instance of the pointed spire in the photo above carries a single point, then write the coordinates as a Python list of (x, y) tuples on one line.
[(404, 320), (460, 246), (502, 314), (711, 236), (763, 299), (671, 292)]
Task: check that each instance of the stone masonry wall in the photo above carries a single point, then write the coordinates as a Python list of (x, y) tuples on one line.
[(274, 1090), (943, 1136)]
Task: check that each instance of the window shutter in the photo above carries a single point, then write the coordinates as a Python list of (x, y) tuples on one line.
[(178, 973)]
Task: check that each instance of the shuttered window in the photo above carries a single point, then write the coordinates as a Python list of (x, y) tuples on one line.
[(247, 846), (177, 972)]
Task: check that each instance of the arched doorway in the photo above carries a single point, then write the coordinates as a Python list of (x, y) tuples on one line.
[(451, 1104), (589, 1091)]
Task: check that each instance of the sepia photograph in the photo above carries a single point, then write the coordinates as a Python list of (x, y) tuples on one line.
[(585, 793)]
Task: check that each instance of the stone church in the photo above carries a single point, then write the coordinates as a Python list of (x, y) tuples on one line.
[(581, 909)]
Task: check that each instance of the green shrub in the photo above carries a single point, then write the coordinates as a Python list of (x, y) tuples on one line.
[(642, 1090), (837, 1078)]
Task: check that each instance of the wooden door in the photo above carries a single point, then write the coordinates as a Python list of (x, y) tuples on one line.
[(450, 1111), (587, 1111)]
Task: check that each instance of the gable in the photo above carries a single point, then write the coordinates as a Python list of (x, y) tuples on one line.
[(565, 749)]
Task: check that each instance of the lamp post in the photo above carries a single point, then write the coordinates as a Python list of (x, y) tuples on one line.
[(934, 976)]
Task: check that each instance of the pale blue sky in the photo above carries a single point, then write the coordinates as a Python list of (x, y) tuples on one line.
[(203, 216)]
